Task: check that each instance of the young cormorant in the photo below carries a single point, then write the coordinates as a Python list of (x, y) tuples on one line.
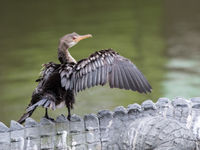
[(59, 83)]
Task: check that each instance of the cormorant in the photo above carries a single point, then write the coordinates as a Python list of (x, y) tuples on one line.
[(59, 83)]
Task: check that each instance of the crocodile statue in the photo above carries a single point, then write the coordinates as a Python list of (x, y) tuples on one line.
[(164, 125)]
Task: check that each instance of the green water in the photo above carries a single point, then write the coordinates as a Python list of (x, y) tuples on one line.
[(29, 37)]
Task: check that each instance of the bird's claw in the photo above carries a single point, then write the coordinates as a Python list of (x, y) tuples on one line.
[(69, 117), (51, 119)]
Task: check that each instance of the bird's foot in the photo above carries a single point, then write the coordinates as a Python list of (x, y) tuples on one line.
[(69, 117), (49, 118)]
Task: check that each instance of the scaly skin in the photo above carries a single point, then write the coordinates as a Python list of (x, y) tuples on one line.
[(164, 125)]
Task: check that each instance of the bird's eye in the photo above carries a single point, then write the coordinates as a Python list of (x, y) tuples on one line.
[(74, 37)]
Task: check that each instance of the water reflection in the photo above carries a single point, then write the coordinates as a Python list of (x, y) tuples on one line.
[(29, 38)]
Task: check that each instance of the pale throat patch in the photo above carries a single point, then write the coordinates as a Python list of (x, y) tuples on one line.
[(69, 57), (71, 44)]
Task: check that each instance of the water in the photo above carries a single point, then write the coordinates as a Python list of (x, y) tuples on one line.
[(183, 49), (142, 31)]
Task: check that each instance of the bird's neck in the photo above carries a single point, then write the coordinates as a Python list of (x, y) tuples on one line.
[(69, 57), (64, 55)]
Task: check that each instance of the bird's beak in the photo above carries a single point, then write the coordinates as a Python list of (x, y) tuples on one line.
[(81, 37)]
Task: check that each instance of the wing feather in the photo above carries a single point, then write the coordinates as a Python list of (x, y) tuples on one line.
[(140, 83), (125, 80), (102, 67), (111, 79), (131, 80), (84, 81), (116, 76), (102, 75), (121, 84), (99, 73)]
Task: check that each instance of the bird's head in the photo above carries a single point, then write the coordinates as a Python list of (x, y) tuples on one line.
[(72, 39)]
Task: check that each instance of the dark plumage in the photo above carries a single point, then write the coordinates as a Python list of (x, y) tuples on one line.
[(59, 82)]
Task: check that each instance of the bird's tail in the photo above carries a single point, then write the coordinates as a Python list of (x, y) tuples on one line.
[(26, 115), (45, 102)]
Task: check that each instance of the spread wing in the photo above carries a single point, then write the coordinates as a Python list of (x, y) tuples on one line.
[(102, 67)]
